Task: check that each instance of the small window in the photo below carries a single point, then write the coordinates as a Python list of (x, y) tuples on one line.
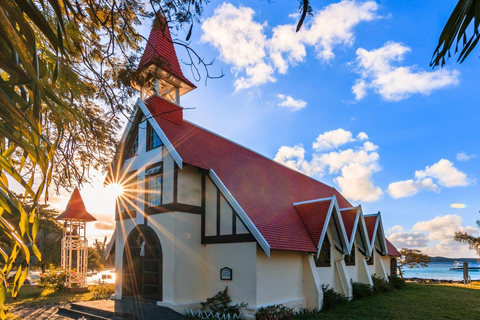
[(324, 259), (154, 186), (153, 140), (350, 258), (370, 260), (134, 149), (130, 196)]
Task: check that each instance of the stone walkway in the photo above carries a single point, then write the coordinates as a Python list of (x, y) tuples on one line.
[(111, 309)]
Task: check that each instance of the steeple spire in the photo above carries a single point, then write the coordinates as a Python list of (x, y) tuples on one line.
[(160, 58)]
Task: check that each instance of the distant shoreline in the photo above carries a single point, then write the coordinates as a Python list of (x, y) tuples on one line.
[(428, 280)]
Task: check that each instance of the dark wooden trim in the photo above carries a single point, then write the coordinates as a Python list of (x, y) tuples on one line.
[(204, 200), (229, 238), (234, 222), (170, 207), (218, 211), (175, 183)]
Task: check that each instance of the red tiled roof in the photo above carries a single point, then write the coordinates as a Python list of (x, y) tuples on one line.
[(160, 48), (76, 209), (266, 190), (391, 250), (349, 216), (165, 109), (370, 222), (313, 215)]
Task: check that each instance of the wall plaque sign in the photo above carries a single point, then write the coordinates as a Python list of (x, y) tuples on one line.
[(225, 274)]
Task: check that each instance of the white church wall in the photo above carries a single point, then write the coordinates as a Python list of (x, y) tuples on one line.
[(210, 208), (124, 227), (280, 278), (167, 178), (353, 270), (190, 186)]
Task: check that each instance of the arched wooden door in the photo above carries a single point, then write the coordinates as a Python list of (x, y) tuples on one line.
[(142, 266)]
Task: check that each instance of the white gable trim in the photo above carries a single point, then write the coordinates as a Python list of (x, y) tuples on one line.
[(111, 244), (343, 235), (312, 201), (351, 241), (240, 212), (161, 134), (325, 224), (378, 228), (364, 234)]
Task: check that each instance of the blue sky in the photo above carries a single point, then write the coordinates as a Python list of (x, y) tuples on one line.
[(350, 100)]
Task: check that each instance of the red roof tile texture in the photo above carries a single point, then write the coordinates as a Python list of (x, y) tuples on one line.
[(76, 209), (349, 216), (391, 250), (165, 109), (314, 215), (160, 50), (265, 189), (370, 222)]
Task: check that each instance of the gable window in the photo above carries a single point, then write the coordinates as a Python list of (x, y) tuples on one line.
[(350, 258), (324, 259), (130, 195), (370, 260), (154, 186), (134, 148), (153, 140)]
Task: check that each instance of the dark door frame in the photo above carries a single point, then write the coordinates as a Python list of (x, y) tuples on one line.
[(142, 276)]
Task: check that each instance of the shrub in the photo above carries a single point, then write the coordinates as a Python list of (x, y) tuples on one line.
[(102, 291), (274, 312), (380, 285), (52, 279), (396, 282), (331, 298), (361, 290), (221, 303)]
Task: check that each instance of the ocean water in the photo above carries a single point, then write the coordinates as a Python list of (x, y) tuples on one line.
[(440, 271)]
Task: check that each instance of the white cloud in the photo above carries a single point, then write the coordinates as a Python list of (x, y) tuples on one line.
[(290, 103), (443, 227), (410, 188), (395, 83), (332, 139), (362, 136), (395, 229), (408, 240), (435, 237), (354, 167), (243, 44), (356, 183), (443, 172), (462, 156)]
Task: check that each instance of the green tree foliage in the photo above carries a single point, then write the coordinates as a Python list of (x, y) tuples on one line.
[(461, 30), (472, 241), (101, 247), (94, 261), (412, 258)]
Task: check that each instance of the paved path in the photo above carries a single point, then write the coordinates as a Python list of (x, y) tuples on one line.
[(40, 312)]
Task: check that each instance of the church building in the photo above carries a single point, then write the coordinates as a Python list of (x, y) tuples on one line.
[(201, 212)]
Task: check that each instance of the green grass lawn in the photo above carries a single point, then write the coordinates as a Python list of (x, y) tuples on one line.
[(415, 301)]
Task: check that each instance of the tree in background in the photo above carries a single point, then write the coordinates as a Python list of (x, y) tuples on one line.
[(460, 29), (472, 241), (412, 258), (94, 261), (49, 235)]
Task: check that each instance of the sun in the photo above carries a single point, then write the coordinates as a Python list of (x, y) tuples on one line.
[(115, 189)]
